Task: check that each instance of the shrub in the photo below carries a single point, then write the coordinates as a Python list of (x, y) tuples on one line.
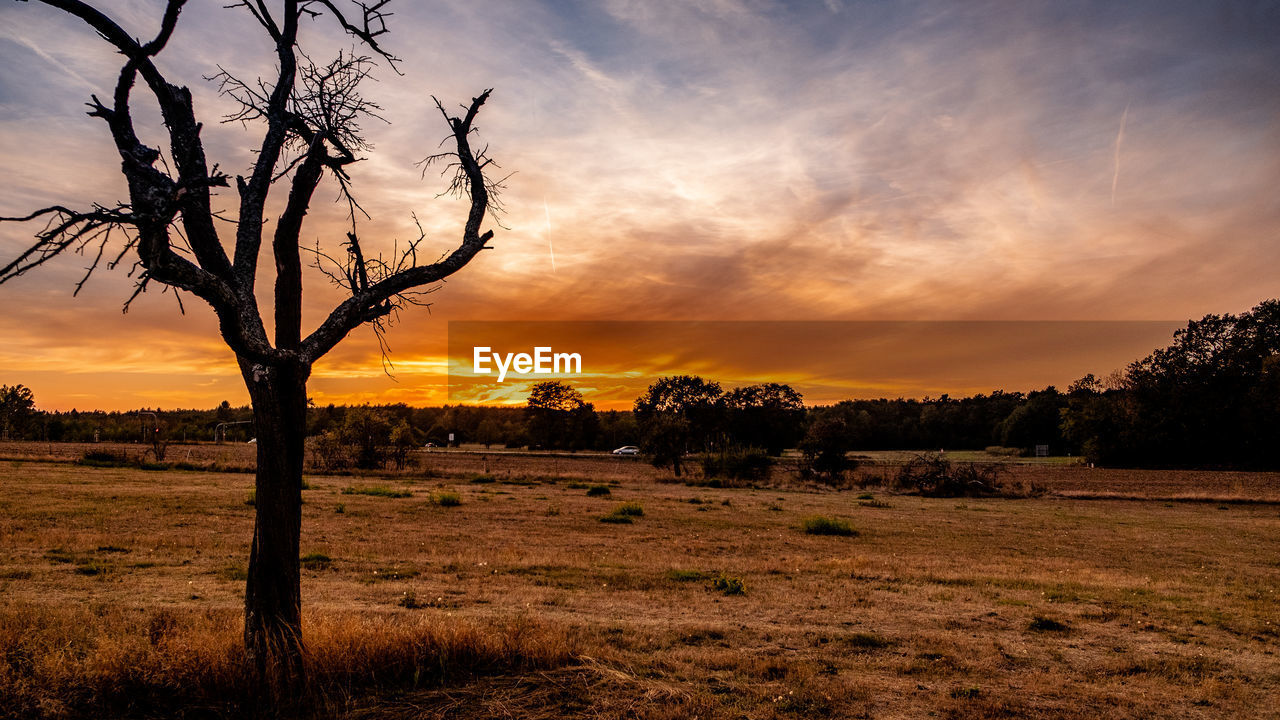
[(330, 453), (748, 465), (729, 585), (1044, 624), (822, 525), (617, 519), (633, 509), (446, 499), (825, 448), (598, 491), (104, 458), (933, 476)]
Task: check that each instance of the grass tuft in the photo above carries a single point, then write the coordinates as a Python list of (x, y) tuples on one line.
[(822, 525), (446, 499), (315, 561), (1044, 624), (633, 509), (377, 491)]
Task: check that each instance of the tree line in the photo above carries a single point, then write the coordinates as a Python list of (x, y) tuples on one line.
[(1211, 398)]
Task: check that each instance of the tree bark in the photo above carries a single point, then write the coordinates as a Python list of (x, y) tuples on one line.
[(273, 598)]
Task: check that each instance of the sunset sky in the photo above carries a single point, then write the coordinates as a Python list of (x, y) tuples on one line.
[(728, 160)]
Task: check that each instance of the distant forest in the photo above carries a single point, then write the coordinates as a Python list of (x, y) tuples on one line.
[(1209, 399)]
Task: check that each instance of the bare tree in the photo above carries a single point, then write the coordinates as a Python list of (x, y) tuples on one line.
[(311, 117)]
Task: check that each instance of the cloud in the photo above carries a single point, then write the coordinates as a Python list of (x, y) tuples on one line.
[(730, 160)]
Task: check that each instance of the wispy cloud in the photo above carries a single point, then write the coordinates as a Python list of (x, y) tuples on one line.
[(1115, 178), (733, 160)]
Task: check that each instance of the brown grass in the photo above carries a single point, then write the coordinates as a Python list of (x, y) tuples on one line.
[(501, 608)]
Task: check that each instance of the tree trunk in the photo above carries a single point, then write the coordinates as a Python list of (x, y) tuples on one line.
[(272, 598)]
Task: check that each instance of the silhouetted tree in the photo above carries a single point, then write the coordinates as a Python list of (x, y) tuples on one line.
[(825, 448), (768, 416), (688, 398), (558, 417), (17, 404), (1209, 398), (310, 117)]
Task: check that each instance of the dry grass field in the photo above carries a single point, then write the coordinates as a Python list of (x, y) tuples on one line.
[(489, 586)]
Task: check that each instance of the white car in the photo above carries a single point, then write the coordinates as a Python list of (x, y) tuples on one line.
[(627, 450)]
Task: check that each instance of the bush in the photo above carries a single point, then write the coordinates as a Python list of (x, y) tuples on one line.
[(617, 519), (729, 585), (446, 499), (822, 525), (749, 465), (932, 476), (104, 458), (330, 453), (825, 447), (598, 491), (1044, 624), (633, 509)]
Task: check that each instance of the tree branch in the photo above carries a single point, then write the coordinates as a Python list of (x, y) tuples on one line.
[(377, 300)]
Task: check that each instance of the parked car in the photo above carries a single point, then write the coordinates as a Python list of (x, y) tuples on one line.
[(627, 450)]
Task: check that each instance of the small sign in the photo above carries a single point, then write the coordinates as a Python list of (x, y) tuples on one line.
[(450, 437), (1041, 450)]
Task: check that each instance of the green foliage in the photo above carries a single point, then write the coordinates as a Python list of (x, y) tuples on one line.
[(822, 525), (315, 561), (368, 433), (377, 491), (633, 509), (825, 447), (617, 519), (402, 442), (17, 406), (446, 499), (729, 585)]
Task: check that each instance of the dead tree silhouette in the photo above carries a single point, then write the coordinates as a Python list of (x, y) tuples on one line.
[(310, 115)]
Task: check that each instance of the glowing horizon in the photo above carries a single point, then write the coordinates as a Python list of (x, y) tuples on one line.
[(729, 161)]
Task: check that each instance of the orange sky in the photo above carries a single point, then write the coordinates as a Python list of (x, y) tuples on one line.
[(732, 160)]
